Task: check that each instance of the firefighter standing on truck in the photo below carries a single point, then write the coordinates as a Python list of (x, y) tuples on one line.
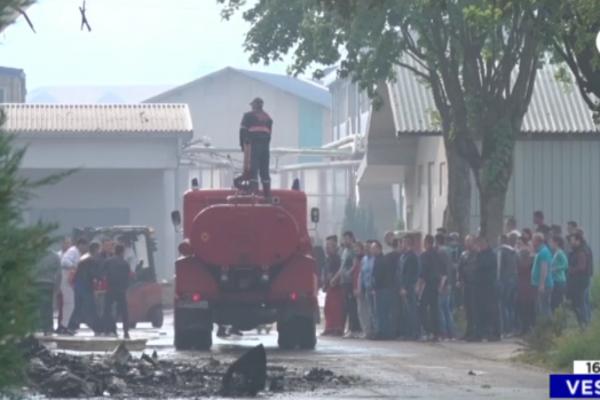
[(255, 138)]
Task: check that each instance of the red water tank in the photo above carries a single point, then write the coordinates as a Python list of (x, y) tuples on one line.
[(244, 234)]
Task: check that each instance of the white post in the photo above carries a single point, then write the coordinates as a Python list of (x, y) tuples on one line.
[(167, 269)]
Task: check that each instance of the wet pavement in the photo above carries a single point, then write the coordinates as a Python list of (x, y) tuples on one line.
[(390, 369)]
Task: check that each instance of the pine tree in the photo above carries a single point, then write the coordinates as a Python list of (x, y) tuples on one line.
[(20, 248)]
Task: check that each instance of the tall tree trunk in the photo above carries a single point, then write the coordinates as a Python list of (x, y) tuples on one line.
[(491, 206), (497, 151), (458, 209)]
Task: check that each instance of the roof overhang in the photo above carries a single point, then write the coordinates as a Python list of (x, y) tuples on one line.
[(386, 153)]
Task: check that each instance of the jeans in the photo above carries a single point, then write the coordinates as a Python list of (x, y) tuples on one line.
[(576, 293), (446, 318), (383, 308), (430, 309), (488, 306), (364, 314), (543, 306), (351, 309), (470, 302), (259, 157), (120, 299), (85, 309), (410, 313), (508, 295), (587, 308), (558, 295)]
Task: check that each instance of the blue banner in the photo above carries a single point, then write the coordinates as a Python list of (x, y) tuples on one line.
[(575, 386)]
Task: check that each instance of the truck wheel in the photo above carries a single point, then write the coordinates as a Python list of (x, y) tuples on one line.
[(286, 335), (183, 339), (190, 332), (156, 317), (193, 339), (307, 332), (204, 340)]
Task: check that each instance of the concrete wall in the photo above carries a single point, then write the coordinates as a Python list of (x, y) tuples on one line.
[(422, 179), (119, 179), (108, 197), (559, 177), (329, 189), (99, 152)]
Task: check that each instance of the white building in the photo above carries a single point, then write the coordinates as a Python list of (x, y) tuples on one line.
[(126, 159), (556, 159), (217, 101), (12, 85)]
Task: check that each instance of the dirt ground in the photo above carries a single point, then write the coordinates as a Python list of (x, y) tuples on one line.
[(390, 369)]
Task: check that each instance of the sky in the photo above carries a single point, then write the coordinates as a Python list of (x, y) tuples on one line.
[(132, 42)]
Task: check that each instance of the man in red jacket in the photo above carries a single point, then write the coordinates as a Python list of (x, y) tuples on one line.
[(255, 138)]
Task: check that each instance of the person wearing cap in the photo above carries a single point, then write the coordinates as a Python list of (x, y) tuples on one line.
[(255, 137)]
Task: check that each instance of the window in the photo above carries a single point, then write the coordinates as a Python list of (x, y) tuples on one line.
[(419, 179), (2, 97), (442, 177)]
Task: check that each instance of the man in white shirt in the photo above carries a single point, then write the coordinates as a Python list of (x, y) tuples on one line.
[(68, 263), (65, 245)]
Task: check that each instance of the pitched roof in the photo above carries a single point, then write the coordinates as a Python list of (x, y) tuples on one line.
[(86, 94), (107, 118), (554, 108), (298, 87), (11, 71), (310, 91)]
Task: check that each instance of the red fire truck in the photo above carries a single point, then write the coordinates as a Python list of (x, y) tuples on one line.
[(244, 262)]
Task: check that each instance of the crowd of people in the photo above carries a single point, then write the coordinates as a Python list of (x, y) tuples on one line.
[(413, 290), (74, 277)]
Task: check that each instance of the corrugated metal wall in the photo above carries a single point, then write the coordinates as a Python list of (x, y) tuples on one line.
[(559, 177)]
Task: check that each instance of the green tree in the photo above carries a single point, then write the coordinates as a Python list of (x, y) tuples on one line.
[(479, 57), (20, 249), (573, 36), (20, 246)]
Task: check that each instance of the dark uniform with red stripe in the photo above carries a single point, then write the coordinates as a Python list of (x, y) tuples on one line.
[(255, 131)]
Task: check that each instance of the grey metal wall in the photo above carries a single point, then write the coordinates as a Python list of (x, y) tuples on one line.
[(559, 177)]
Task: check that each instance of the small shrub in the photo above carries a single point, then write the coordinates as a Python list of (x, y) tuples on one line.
[(543, 337), (578, 345)]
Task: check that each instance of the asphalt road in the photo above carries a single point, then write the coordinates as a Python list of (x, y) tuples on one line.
[(394, 369)]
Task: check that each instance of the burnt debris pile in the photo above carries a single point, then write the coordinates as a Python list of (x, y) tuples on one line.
[(120, 374)]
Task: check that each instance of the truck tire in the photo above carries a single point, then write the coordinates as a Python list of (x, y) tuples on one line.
[(200, 339), (286, 335), (183, 339), (190, 333), (307, 332), (156, 317)]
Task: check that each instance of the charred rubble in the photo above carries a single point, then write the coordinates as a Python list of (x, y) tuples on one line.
[(119, 374)]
